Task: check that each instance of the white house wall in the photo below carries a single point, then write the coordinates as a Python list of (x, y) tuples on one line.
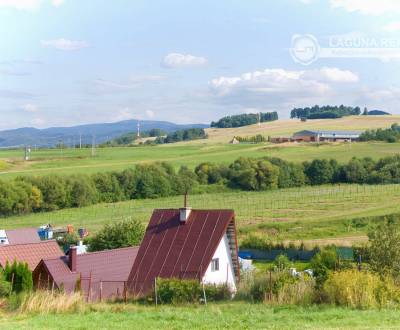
[(225, 274)]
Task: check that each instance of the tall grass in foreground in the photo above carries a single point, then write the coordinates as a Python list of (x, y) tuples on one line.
[(45, 302)]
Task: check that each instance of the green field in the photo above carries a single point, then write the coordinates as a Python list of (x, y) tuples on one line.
[(71, 161), (307, 213), (213, 316)]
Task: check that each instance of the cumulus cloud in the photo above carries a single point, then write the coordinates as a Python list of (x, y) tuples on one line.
[(28, 4), (177, 60), (277, 87), (331, 75), (368, 7), (65, 44), (29, 107)]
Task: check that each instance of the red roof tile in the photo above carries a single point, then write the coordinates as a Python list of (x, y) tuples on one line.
[(29, 253), (23, 236), (180, 250), (107, 266)]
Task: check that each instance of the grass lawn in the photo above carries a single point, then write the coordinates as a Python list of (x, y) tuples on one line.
[(72, 161), (333, 213), (213, 316)]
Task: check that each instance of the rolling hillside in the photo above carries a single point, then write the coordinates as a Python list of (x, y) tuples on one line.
[(288, 126), (70, 135)]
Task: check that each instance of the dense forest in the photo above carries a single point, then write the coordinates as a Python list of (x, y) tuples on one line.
[(391, 134), (327, 111), (244, 119), (51, 192), (182, 135)]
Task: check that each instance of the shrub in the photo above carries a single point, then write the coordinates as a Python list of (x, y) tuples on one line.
[(356, 289), (282, 262), (19, 275), (117, 235), (322, 263), (299, 292), (384, 253), (5, 287), (175, 291)]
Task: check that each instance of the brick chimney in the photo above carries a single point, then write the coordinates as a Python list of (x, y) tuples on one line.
[(72, 256)]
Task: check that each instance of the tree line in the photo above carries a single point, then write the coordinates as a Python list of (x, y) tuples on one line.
[(391, 134), (245, 119), (251, 139), (327, 111), (51, 192), (182, 135)]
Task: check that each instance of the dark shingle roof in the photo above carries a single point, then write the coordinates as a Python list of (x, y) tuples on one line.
[(29, 253), (171, 249)]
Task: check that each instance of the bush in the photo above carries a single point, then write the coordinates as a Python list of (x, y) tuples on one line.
[(322, 263), (175, 291), (19, 275), (276, 287), (117, 235), (384, 252), (5, 287), (356, 289)]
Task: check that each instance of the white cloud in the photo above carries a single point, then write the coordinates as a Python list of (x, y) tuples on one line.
[(177, 60), (28, 4), (65, 44), (29, 107), (331, 75), (392, 27), (280, 87), (368, 7), (150, 113)]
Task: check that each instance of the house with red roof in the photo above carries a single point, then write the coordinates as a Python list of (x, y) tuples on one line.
[(19, 236), (31, 253), (102, 275), (187, 244), (178, 243)]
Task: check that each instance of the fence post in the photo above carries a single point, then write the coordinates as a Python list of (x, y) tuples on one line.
[(101, 290), (204, 294), (155, 290), (125, 293)]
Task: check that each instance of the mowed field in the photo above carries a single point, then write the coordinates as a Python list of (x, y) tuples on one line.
[(289, 126), (317, 215), (72, 161), (214, 316)]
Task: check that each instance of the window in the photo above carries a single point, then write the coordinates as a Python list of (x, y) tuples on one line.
[(215, 265)]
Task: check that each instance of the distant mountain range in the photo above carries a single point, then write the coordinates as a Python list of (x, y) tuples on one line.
[(70, 135)]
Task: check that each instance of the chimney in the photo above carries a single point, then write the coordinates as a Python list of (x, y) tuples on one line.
[(72, 256), (185, 211)]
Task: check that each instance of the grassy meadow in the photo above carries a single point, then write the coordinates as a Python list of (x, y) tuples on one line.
[(215, 149), (72, 161), (322, 214), (214, 316)]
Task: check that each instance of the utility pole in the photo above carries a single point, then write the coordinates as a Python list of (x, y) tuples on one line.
[(138, 130), (80, 140), (259, 119)]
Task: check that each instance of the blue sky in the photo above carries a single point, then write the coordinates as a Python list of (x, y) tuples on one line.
[(67, 62)]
